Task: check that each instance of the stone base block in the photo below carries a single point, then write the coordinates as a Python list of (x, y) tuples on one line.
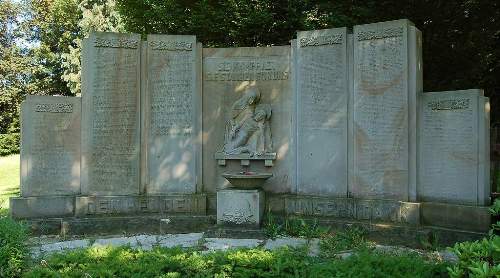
[(461, 217), (240, 207), (376, 211), (41, 207), (126, 205)]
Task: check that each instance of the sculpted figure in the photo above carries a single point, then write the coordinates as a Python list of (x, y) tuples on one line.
[(248, 130)]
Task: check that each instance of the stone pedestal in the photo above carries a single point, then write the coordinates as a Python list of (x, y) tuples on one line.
[(240, 207)]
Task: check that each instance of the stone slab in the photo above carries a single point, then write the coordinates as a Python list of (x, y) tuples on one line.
[(41, 207), (386, 81), (227, 72), (462, 217), (116, 242), (50, 146), (273, 244), (122, 205), (453, 149), (171, 109), (111, 69), (377, 211), (182, 240), (64, 246), (322, 95), (215, 244), (240, 207)]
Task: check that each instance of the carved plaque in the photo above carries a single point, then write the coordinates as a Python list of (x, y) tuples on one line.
[(111, 114), (382, 99), (322, 99), (450, 136), (172, 113), (50, 147)]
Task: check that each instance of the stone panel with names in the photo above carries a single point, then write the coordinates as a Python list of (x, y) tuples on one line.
[(322, 98), (111, 115), (381, 103), (171, 111), (449, 146), (50, 147)]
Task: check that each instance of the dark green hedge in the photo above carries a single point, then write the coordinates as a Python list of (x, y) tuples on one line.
[(9, 143)]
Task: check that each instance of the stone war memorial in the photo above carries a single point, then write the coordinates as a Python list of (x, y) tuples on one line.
[(335, 126)]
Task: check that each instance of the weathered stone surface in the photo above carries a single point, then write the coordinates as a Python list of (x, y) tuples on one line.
[(321, 99), (240, 207), (116, 205), (214, 244), (171, 106), (116, 242), (45, 206), (386, 80), (462, 217), (453, 148), (227, 73), (50, 146), (64, 246), (280, 242), (111, 69), (183, 240), (349, 208)]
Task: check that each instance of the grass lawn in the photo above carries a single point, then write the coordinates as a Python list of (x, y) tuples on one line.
[(9, 178)]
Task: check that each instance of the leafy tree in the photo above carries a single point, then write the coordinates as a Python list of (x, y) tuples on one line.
[(96, 16), (461, 38), (14, 65)]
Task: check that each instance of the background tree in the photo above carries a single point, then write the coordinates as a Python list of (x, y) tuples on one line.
[(14, 65), (461, 38)]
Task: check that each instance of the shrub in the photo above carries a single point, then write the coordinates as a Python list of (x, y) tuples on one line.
[(480, 258), (295, 227), (9, 143), (162, 262), (352, 238), (13, 252)]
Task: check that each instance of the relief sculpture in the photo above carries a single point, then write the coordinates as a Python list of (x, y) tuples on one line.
[(248, 130)]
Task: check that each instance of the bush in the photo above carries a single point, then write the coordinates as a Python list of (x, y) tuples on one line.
[(162, 262), (9, 143), (480, 258), (352, 238), (13, 252)]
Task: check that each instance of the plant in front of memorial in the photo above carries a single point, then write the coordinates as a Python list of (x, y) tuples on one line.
[(13, 252), (352, 238), (175, 262), (293, 227), (480, 258)]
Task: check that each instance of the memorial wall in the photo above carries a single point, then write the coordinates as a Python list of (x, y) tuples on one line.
[(336, 125)]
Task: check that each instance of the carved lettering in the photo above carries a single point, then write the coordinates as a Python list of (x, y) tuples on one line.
[(321, 40), (449, 104), (54, 107), (171, 45), (116, 43), (380, 34)]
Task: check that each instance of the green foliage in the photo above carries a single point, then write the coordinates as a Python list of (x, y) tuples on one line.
[(97, 15), (13, 253), (160, 262), (460, 34), (480, 258), (431, 242), (295, 227), (9, 143), (352, 238)]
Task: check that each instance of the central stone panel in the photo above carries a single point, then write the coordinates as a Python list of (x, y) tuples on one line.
[(227, 74)]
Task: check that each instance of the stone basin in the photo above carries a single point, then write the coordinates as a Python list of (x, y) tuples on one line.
[(247, 180)]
